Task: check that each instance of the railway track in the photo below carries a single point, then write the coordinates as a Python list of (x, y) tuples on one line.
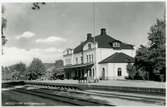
[(160, 101), (62, 98), (48, 91)]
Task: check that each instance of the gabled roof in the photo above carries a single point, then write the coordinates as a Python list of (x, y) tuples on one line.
[(104, 41), (79, 48), (118, 58)]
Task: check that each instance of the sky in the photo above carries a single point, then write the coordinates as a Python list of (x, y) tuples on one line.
[(47, 32)]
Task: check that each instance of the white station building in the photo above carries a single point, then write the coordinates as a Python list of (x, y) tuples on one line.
[(99, 57)]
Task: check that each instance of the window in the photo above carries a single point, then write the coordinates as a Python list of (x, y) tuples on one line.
[(116, 44), (89, 46), (103, 74), (93, 72), (119, 72), (67, 52), (92, 57), (90, 73), (81, 59), (76, 60), (87, 57), (68, 61)]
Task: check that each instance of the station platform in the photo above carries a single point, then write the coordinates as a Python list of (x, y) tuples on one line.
[(129, 86), (120, 83), (135, 86)]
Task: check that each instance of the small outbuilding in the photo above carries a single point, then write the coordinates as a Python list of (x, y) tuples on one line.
[(115, 66)]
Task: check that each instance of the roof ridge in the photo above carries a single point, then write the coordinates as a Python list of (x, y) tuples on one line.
[(104, 41)]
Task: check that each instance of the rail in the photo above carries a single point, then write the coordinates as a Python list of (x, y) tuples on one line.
[(62, 98)]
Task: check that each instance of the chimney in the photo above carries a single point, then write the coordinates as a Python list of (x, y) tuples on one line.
[(89, 36), (103, 31)]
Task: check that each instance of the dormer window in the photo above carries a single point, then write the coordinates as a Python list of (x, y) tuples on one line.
[(89, 46), (116, 44), (68, 52)]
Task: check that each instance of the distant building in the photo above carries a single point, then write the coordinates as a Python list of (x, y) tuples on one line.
[(55, 70), (59, 69), (98, 57)]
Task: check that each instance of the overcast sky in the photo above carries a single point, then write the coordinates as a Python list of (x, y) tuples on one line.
[(45, 33)]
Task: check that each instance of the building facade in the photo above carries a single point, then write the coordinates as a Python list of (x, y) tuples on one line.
[(88, 59)]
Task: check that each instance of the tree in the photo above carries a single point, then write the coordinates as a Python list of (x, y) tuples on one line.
[(6, 73), (142, 62), (18, 71), (35, 70), (151, 59), (131, 71), (48, 74), (157, 47), (36, 5)]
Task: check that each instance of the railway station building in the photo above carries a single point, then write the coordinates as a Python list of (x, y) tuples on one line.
[(98, 57)]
